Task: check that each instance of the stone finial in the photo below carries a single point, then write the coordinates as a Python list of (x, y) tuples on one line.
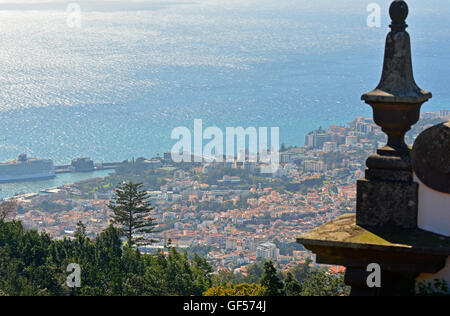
[(398, 12), (397, 81), (431, 157), (387, 198)]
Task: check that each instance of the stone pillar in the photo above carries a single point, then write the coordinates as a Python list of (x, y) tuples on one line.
[(388, 195), (392, 199)]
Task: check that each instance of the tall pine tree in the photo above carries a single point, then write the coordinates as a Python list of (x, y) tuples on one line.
[(131, 207), (270, 281)]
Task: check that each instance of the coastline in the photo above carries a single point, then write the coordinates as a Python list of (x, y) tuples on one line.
[(8, 190)]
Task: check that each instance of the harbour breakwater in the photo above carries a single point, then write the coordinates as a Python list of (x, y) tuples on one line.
[(97, 167)]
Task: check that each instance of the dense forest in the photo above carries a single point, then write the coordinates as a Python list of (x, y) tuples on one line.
[(35, 264)]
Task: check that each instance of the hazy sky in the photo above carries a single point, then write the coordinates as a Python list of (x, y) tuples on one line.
[(431, 5), (418, 7)]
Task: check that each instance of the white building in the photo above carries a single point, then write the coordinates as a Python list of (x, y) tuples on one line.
[(267, 250), (329, 147), (444, 114), (351, 140), (314, 166)]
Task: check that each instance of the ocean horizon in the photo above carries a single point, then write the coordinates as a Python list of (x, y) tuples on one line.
[(115, 88)]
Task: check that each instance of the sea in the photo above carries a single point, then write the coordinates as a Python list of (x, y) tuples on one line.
[(115, 87)]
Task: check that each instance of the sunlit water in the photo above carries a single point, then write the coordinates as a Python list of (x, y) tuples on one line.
[(116, 87)]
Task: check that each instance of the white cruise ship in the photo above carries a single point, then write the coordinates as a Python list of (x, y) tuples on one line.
[(24, 168)]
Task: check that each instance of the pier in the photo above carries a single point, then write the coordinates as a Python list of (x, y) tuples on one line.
[(97, 167)]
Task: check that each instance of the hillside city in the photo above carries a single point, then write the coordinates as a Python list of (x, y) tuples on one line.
[(229, 213)]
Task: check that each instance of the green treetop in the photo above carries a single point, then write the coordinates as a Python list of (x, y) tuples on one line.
[(132, 209), (270, 281)]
